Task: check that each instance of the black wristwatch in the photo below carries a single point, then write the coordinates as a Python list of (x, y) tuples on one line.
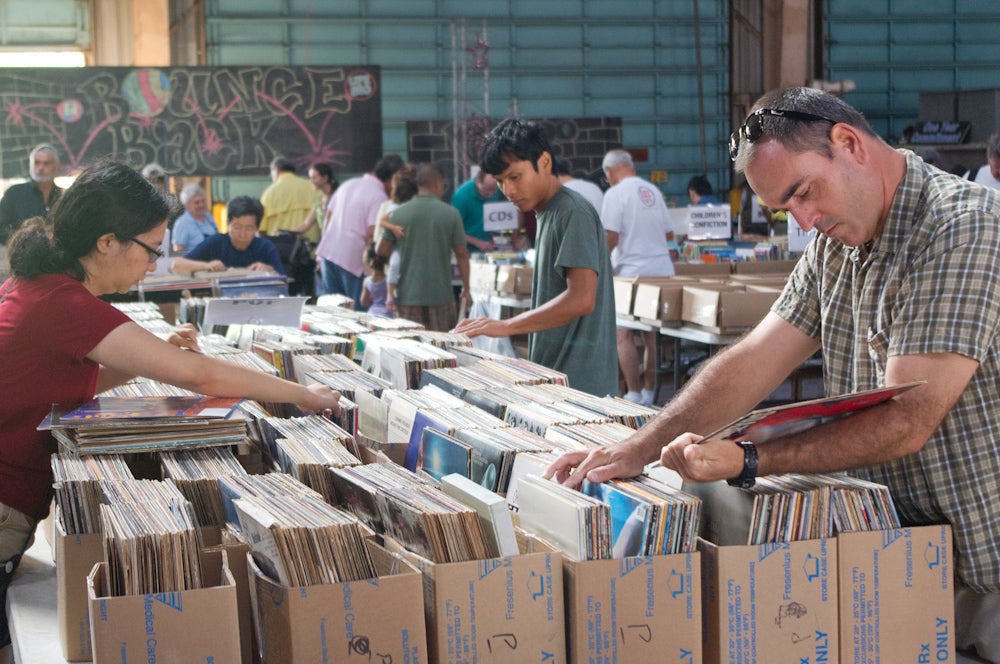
[(748, 477)]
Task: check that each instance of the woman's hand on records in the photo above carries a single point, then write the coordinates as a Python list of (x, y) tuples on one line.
[(321, 399), (184, 336), (598, 465), (698, 459)]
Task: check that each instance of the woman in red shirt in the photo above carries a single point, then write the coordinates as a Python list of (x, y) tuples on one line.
[(61, 343)]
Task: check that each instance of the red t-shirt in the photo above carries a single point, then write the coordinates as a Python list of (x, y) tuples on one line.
[(47, 326)]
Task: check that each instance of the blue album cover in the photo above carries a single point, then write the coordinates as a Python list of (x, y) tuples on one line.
[(628, 518), (441, 454)]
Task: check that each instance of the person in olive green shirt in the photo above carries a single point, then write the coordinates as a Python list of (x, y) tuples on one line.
[(571, 323), (432, 230)]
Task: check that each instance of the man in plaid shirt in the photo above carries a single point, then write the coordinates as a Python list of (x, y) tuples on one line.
[(901, 284)]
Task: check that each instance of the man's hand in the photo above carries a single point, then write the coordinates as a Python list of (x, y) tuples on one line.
[(466, 298), (598, 465), (216, 265), (184, 336), (474, 327), (708, 461), (261, 267), (484, 246), (390, 305)]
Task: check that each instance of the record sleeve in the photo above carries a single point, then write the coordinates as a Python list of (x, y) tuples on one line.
[(766, 424)]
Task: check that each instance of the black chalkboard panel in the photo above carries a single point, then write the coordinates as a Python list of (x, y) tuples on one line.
[(193, 120)]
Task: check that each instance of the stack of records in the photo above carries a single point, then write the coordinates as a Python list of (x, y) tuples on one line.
[(444, 339), (299, 540), (414, 512), (401, 361), (337, 441), (279, 354), (588, 435), (196, 474), (526, 463), (648, 517), (306, 455), (788, 508), (617, 409), (78, 490), (328, 321), (145, 387), (347, 382), (579, 525), (192, 310), (146, 424), (322, 344), (528, 373), (151, 540), (140, 312), (492, 510), (348, 417), (385, 324), (263, 486), (323, 363), (540, 418), (493, 452)]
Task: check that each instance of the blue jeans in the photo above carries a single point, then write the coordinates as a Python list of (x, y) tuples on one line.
[(338, 281)]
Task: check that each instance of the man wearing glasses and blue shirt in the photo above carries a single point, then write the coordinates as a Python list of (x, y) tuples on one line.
[(901, 284)]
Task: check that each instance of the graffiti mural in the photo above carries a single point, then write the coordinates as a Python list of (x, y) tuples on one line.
[(193, 120)]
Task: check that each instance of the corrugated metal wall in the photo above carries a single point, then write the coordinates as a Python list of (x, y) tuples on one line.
[(894, 49), (547, 58)]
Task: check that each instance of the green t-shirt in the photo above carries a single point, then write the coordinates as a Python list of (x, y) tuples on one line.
[(432, 230), (570, 235)]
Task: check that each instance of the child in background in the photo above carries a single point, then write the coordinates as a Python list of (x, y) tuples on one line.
[(375, 288)]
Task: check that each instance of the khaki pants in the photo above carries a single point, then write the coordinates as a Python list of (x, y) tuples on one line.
[(977, 623), (16, 534)]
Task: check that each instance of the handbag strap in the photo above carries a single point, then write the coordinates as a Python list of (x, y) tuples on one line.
[(7, 290)]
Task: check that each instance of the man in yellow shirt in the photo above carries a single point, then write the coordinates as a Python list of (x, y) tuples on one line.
[(287, 201)]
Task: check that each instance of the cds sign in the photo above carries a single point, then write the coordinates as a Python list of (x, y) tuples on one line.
[(499, 216)]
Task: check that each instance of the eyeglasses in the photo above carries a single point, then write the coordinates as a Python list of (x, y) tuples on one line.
[(154, 254), (753, 128)]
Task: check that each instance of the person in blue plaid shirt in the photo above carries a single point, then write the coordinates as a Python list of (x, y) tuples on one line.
[(901, 284)]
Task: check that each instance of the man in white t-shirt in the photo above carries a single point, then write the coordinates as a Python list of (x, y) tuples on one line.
[(639, 229), (989, 173), (561, 169)]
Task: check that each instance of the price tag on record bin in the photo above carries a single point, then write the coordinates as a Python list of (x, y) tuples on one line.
[(499, 216)]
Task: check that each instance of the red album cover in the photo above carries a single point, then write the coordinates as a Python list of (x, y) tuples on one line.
[(760, 426)]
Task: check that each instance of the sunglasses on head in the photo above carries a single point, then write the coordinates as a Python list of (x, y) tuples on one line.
[(753, 128)]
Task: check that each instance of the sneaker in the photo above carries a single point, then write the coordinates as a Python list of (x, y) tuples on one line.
[(646, 397), (634, 397)]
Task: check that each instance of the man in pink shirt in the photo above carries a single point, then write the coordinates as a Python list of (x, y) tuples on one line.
[(348, 228)]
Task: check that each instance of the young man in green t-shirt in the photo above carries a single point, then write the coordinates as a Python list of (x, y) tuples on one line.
[(571, 322)]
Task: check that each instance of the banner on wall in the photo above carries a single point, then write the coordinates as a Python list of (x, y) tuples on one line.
[(193, 120)]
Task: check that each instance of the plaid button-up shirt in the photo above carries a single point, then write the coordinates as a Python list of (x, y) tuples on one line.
[(929, 284)]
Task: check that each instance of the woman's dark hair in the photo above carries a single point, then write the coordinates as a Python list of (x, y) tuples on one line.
[(373, 260), (107, 197), (244, 205), (701, 186), (513, 138), (326, 170)]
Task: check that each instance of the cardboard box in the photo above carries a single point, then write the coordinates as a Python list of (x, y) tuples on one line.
[(176, 627), (634, 610), (624, 294), (381, 617), (723, 308), (659, 300), (897, 595), (514, 279), (702, 269), (770, 599), (784, 267), (482, 275), (500, 610), (236, 550), (75, 557)]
